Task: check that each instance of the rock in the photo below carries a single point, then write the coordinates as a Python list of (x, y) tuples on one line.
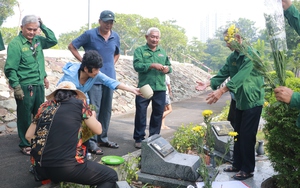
[(183, 82)]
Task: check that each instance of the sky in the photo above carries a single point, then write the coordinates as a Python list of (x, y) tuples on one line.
[(68, 15)]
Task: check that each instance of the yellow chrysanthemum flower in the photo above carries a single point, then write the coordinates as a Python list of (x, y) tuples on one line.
[(197, 128), (207, 113), (232, 133), (230, 40), (266, 103), (231, 32)]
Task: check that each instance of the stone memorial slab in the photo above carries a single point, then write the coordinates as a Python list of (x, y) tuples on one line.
[(159, 158), (222, 128), (223, 146)]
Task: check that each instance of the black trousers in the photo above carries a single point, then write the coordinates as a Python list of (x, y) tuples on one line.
[(246, 126), (88, 173), (231, 113), (140, 122)]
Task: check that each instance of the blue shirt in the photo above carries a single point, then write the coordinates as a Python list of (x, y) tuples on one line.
[(71, 73), (92, 40)]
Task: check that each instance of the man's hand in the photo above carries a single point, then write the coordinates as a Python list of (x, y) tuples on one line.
[(201, 85), (46, 83), (165, 69), (283, 94), (157, 66), (136, 91), (40, 20), (18, 92), (214, 96)]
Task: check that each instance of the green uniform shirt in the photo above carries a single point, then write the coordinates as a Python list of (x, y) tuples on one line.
[(142, 60), (2, 47), (245, 82), (25, 63), (293, 17)]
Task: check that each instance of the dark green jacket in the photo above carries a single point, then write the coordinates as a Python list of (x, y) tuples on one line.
[(245, 82), (25, 63), (2, 47), (293, 16), (142, 60)]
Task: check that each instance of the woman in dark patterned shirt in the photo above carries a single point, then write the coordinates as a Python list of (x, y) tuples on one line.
[(56, 139)]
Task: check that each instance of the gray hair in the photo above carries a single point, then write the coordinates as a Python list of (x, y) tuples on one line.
[(30, 19), (153, 29)]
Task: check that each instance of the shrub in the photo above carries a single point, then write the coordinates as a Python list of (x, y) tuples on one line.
[(283, 138), (186, 139)]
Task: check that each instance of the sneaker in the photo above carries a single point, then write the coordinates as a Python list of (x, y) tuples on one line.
[(138, 145)]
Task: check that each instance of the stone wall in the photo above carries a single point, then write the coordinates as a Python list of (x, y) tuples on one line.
[(183, 81)]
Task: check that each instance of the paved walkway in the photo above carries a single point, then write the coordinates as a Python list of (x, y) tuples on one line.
[(14, 166)]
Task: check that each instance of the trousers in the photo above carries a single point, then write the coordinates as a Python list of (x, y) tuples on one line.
[(140, 122), (246, 125)]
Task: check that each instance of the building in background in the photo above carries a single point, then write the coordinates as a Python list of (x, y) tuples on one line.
[(211, 22)]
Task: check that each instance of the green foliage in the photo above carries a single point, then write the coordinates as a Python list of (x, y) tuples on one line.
[(224, 113), (218, 53), (6, 9), (246, 27), (185, 138), (293, 60), (283, 137), (132, 29), (129, 169), (66, 38), (8, 34)]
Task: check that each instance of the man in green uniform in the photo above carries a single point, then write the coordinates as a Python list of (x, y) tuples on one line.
[(25, 70), (282, 93), (2, 47), (247, 86), (151, 63)]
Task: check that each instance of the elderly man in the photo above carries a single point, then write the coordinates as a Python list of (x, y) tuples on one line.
[(25, 70), (152, 63)]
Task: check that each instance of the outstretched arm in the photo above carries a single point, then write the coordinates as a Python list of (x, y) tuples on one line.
[(131, 89)]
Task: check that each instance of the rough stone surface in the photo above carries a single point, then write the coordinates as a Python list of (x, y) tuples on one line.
[(183, 81), (165, 161)]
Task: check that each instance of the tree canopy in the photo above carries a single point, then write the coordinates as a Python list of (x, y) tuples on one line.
[(6, 9), (132, 28)]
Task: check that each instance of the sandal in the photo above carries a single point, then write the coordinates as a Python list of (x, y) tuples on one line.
[(96, 150), (241, 175), (230, 169), (26, 150), (109, 144)]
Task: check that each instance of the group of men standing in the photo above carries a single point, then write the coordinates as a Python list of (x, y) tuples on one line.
[(25, 70)]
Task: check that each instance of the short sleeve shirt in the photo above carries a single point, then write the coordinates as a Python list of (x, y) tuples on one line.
[(57, 141)]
